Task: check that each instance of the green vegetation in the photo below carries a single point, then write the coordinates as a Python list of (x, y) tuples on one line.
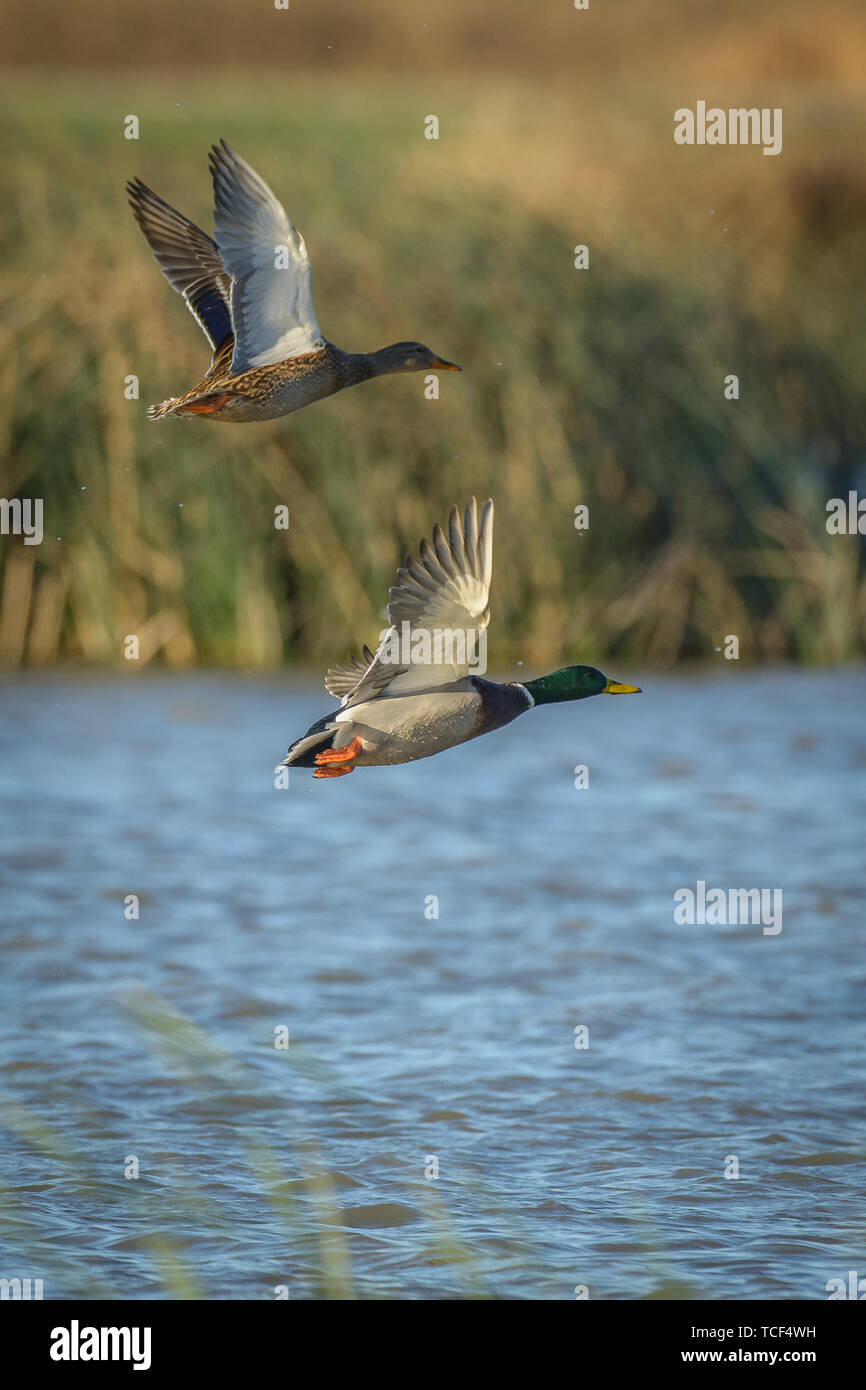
[(601, 387)]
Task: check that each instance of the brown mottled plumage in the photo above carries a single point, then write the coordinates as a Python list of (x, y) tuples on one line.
[(251, 294)]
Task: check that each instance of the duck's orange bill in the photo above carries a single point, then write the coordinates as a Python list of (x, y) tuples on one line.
[(445, 366)]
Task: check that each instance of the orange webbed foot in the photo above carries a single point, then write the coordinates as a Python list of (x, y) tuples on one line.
[(336, 762)]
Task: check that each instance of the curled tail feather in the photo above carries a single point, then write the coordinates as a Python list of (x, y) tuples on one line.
[(156, 412), (303, 751)]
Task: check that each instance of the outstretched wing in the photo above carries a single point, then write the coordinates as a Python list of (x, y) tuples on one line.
[(342, 679), (448, 586), (272, 298), (444, 591), (188, 259)]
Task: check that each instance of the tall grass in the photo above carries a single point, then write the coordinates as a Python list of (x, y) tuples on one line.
[(684, 39), (602, 387)]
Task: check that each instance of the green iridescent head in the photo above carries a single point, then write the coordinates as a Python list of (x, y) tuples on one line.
[(575, 683)]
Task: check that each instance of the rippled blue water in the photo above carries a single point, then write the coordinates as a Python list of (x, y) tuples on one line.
[(414, 1037)]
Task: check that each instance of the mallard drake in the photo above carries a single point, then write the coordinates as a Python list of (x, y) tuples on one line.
[(396, 706), (251, 294)]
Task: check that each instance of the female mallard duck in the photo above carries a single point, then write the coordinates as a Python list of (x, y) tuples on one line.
[(417, 696), (250, 291)]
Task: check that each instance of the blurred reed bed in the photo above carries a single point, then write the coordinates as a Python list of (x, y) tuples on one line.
[(601, 387), (679, 38)]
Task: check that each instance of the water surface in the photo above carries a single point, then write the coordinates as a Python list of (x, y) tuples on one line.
[(415, 1037)]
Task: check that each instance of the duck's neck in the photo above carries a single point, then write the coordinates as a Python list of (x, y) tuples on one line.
[(352, 367), (361, 366)]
